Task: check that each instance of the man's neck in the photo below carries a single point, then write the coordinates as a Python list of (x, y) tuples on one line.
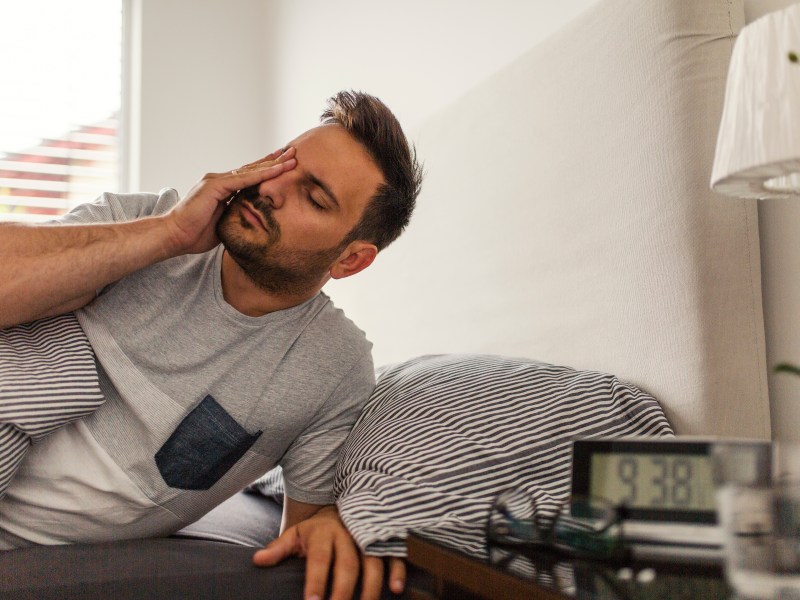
[(245, 296)]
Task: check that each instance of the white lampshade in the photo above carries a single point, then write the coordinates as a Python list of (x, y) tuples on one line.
[(758, 148)]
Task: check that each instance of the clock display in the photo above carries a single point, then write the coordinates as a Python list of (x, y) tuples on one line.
[(665, 487), (648, 481), (670, 481)]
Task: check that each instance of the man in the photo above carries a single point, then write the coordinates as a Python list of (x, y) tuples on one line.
[(216, 361)]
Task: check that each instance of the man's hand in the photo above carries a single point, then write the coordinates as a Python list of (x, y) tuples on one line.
[(324, 541), (194, 219)]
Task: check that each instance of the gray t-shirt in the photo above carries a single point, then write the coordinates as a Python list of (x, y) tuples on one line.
[(166, 340)]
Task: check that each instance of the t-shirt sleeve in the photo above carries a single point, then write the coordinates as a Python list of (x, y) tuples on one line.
[(309, 463), (115, 208)]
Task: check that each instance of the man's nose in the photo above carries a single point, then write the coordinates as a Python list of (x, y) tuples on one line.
[(272, 193)]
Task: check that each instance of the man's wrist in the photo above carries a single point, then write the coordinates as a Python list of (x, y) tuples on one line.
[(173, 238)]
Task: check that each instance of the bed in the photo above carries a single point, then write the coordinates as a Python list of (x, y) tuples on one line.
[(566, 217)]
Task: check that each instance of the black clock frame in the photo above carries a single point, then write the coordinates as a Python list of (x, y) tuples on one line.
[(582, 451)]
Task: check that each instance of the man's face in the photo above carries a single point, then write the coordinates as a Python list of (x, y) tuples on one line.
[(287, 232)]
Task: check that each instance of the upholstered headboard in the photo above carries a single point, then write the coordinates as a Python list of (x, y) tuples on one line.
[(567, 217)]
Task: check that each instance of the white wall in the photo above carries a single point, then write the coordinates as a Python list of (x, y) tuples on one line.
[(223, 82), (416, 55), (199, 78)]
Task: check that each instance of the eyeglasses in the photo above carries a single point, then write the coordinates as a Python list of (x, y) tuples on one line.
[(585, 526)]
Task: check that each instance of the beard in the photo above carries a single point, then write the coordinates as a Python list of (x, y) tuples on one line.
[(272, 268)]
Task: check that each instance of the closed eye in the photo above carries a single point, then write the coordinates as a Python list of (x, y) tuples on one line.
[(316, 205)]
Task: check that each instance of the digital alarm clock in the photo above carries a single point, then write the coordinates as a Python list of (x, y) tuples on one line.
[(665, 488)]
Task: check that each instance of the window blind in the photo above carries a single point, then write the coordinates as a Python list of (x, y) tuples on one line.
[(60, 107)]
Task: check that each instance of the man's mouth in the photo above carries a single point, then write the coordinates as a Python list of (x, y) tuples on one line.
[(253, 215)]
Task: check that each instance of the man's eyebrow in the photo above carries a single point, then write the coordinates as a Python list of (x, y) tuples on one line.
[(324, 187)]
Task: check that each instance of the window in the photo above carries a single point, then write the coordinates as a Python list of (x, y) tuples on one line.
[(59, 104)]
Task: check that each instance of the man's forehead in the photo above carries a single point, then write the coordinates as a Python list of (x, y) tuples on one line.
[(327, 132), (322, 148)]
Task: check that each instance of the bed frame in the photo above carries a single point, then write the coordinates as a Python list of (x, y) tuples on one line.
[(566, 217)]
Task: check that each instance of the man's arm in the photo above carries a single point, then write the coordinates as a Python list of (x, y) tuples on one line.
[(318, 533), (52, 269)]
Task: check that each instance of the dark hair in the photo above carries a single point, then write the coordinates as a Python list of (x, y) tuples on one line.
[(371, 122)]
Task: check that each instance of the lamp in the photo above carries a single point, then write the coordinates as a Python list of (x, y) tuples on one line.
[(758, 147)]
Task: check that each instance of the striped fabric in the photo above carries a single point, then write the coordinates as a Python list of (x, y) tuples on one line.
[(48, 378), (442, 435), (270, 485)]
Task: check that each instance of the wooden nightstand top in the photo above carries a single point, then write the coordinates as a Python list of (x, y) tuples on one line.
[(456, 573), (511, 576)]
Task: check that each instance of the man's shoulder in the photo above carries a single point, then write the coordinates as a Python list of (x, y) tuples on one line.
[(338, 329), (123, 207), (334, 343)]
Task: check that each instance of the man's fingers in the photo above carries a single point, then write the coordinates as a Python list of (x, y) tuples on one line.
[(397, 575), (288, 151), (318, 563), (232, 182), (345, 569), (371, 577), (254, 173), (331, 558), (271, 156), (261, 166), (281, 155), (288, 544), (275, 154)]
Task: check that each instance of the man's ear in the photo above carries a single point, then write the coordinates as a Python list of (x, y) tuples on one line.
[(356, 257)]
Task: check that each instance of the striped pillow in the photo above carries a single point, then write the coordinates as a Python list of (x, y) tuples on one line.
[(441, 435), (48, 378)]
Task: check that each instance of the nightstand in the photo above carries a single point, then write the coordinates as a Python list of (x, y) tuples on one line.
[(509, 575)]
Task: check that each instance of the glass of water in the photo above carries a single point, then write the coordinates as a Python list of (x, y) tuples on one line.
[(759, 508)]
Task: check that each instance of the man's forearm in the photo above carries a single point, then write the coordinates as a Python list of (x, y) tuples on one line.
[(45, 269)]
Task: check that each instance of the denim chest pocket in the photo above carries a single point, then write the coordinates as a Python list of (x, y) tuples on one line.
[(203, 447)]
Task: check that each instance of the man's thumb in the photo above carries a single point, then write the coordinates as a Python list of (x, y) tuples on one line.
[(277, 550)]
